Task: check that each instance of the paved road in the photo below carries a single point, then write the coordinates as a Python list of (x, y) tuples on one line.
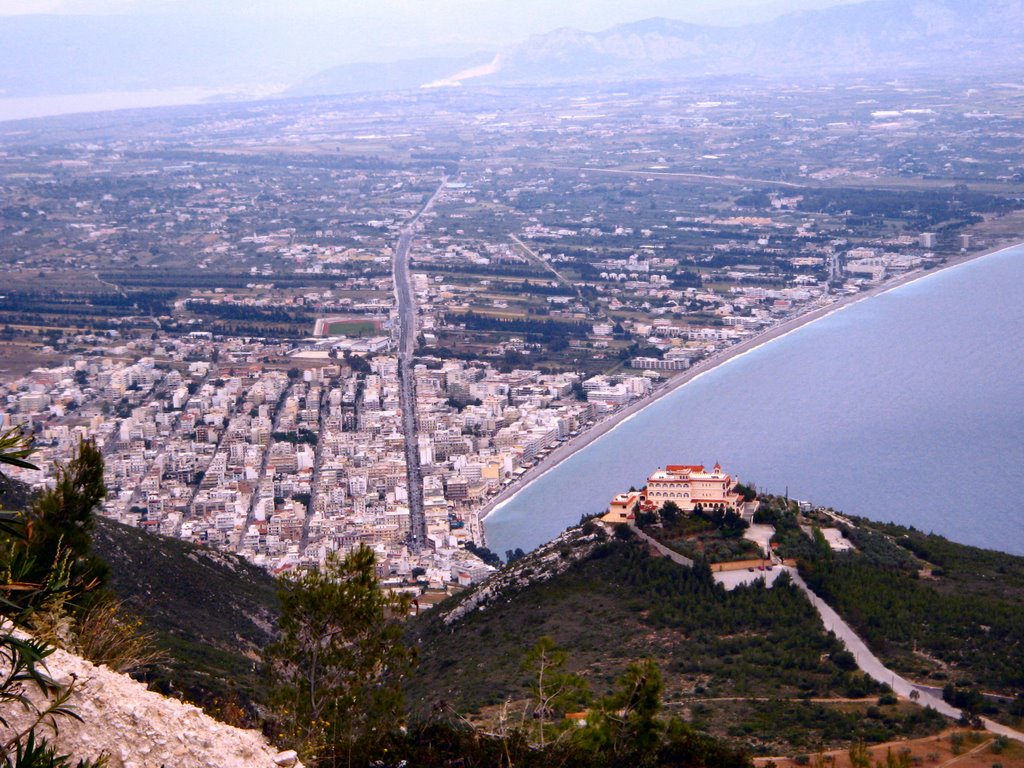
[(872, 666), (868, 663), (1002, 730), (720, 179), (671, 554), (545, 265), (250, 516), (323, 411), (407, 381)]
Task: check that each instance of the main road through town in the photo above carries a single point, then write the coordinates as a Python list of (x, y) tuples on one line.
[(406, 302)]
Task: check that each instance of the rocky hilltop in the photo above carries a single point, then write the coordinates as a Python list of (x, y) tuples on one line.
[(137, 728)]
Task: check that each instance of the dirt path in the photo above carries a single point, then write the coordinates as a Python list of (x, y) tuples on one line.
[(974, 751)]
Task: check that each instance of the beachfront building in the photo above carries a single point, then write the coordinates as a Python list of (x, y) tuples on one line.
[(660, 364), (690, 484)]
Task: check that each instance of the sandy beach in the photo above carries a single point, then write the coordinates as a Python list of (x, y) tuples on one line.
[(608, 424)]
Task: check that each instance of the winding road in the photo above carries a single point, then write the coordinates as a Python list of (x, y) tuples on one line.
[(870, 664), (867, 662), (873, 667)]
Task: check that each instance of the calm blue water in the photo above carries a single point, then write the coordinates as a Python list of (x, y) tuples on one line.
[(906, 407)]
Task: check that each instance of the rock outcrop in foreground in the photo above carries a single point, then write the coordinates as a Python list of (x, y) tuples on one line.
[(137, 728)]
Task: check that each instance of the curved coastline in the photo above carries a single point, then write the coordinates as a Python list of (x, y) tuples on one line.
[(786, 327)]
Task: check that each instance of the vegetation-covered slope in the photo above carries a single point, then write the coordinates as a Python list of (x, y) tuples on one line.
[(939, 612), (752, 665), (935, 610), (212, 613)]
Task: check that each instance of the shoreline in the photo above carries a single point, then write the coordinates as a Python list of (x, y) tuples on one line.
[(773, 333)]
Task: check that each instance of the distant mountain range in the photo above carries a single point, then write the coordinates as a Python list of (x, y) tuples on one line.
[(52, 54), (888, 37), (883, 36)]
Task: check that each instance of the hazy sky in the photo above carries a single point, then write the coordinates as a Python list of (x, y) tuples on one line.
[(606, 11), (429, 26)]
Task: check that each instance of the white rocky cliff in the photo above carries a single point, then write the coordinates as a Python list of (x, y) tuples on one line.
[(137, 728)]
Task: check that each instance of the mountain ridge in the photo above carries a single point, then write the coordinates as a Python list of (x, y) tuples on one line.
[(887, 37), (870, 37), (211, 612), (47, 55)]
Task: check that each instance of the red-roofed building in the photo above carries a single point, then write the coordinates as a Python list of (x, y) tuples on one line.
[(621, 508), (690, 484)]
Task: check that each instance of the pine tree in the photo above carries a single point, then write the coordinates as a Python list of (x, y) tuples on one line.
[(553, 688), (27, 581), (60, 522), (338, 665)]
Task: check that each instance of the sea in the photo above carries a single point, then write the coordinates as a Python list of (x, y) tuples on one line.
[(907, 406), (29, 107)]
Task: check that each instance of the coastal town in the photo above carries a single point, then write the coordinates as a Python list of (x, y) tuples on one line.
[(224, 316), (469, 383)]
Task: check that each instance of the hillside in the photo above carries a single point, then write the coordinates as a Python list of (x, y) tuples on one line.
[(213, 613), (943, 613), (753, 666)]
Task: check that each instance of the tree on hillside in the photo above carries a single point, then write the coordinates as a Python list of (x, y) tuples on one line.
[(670, 513), (338, 665), (859, 755), (60, 522), (553, 688), (51, 540), (626, 723), (491, 558), (748, 492)]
